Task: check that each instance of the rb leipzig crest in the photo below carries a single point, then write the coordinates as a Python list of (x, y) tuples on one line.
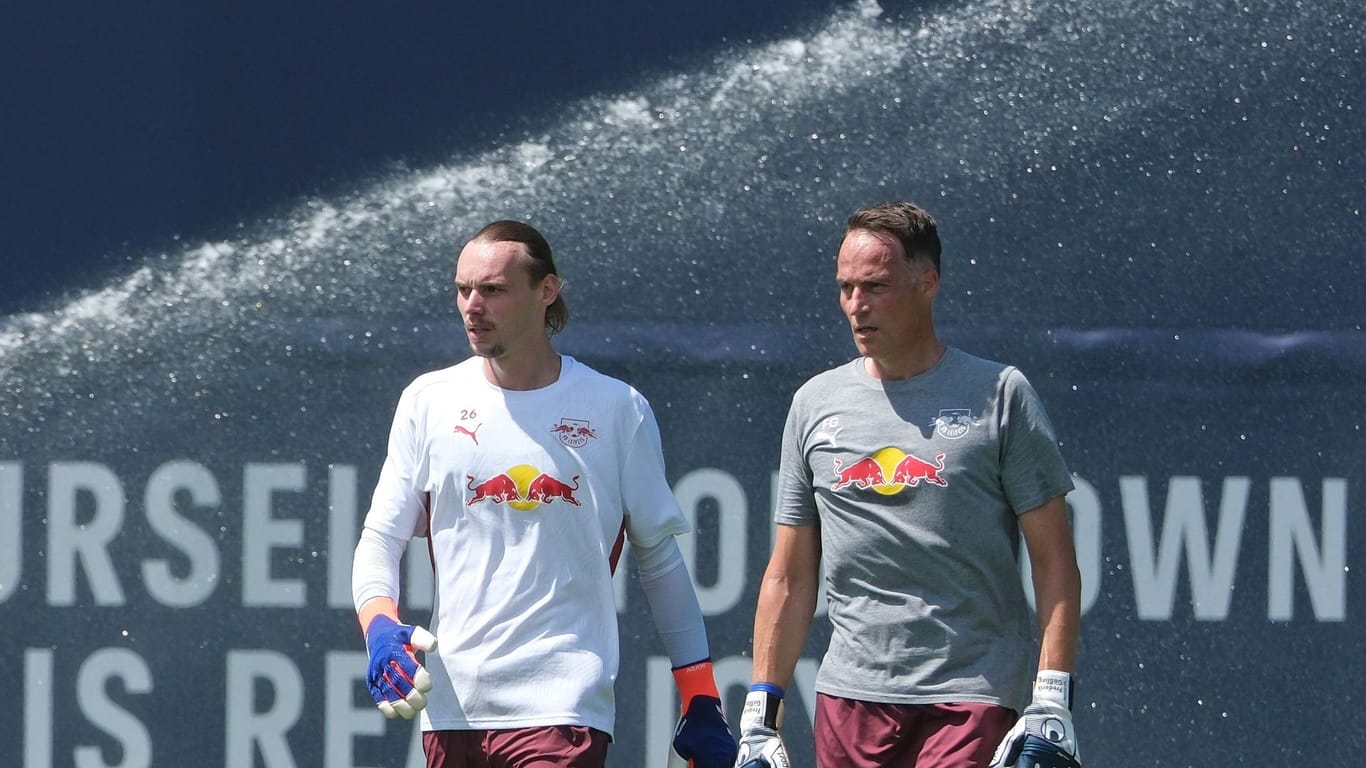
[(574, 433)]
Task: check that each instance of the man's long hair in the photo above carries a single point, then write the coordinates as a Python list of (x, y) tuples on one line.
[(542, 262)]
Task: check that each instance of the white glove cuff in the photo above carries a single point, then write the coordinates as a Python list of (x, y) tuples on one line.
[(1053, 687), (763, 709)]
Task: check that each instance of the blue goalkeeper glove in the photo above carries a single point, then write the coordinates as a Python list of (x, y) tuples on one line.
[(760, 744), (702, 738), (1044, 736), (397, 681)]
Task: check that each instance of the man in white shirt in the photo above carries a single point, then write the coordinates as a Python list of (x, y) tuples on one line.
[(527, 472)]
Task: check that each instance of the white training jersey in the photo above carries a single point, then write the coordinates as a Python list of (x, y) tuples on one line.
[(527, 498)]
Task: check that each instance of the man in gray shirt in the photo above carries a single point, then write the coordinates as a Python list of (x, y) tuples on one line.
[(912, 472)]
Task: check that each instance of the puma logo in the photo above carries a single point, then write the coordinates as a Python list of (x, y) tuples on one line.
[(460, 430)]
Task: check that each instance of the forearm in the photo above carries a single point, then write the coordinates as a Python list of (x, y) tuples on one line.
[(702, 736), (1057, 590), (375, 574), (782, 620), (1057, 583), (673, 602)]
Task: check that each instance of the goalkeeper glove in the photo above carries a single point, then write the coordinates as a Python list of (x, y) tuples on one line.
[(1043, 737), (760, 744), (702, 738), (397, 681)]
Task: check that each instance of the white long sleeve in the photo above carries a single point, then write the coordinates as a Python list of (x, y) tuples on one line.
[(673, 601), (376, 566)]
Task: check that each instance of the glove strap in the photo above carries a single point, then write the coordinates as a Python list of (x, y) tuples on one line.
[(1053, 686), (376, 606), (764, 706), (693, 680)]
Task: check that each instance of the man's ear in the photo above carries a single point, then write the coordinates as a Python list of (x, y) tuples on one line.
[(929, 281), (550, 289)]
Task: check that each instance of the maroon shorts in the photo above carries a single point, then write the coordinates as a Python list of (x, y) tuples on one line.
[(554, 746), (863, 734)]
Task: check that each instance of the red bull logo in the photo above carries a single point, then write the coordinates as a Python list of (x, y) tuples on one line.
[(522, 487), (889, 471), (864, 473), (545, 488)]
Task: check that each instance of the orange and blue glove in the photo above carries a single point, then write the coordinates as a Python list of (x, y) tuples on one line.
[(702, 738), (397, 681)]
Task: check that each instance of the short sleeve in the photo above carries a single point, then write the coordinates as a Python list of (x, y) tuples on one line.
[(651, 509), (1032, 467)]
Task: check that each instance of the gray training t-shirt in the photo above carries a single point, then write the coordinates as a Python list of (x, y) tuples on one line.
[(916, 485)]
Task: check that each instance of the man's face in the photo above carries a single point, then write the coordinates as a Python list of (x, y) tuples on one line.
[(502, 310), (886, 298)]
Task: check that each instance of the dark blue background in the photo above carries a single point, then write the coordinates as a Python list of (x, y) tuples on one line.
[(123, 126)]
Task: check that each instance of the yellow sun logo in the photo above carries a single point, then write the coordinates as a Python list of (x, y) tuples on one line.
[(888, 459), (522, 475)]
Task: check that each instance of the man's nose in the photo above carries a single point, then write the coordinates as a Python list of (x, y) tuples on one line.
[(857, 301)]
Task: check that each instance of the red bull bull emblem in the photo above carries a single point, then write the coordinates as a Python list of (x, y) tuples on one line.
[(574, 433), (889, 471), (524, 488)]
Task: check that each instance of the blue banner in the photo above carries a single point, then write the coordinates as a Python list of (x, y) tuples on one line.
[(1156, 216)]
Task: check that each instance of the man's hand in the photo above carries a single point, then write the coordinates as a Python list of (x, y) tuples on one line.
[(702, 737), (1043, 737), (760, 744), (397, 681)]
